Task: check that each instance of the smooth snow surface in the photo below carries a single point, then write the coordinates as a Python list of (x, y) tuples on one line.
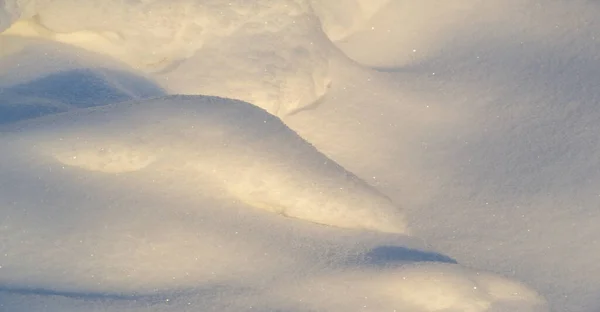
[(308, 155), (243, 149)]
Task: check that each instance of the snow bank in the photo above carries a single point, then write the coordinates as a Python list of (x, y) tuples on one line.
[(104, 240), (251, 153), (482, 126), (488, 133), (275, 57)]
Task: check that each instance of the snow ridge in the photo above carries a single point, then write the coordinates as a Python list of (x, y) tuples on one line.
[(246, 150)]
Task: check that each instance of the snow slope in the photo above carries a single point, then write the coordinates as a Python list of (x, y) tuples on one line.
[(251, 154), (501, 113), (477, 118), (135, 203)]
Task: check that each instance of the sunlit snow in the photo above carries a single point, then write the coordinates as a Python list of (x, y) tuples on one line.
[(299, 155)]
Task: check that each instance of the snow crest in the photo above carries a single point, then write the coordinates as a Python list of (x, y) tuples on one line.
[(246, 150)]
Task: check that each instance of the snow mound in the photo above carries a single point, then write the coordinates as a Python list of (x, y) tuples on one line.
[(274, 56), (425, 287), (250, 153)]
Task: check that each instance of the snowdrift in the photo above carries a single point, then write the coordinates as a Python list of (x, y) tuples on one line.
[(285, 69), (251, 154), (158, 155)]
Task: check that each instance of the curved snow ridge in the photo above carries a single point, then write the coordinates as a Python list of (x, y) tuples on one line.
[(250, 153), (423, 287)]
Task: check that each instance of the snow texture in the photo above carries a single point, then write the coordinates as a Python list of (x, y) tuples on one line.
[(184, 155), (284, 70)]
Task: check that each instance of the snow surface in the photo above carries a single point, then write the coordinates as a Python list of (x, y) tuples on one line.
[(454, 167)]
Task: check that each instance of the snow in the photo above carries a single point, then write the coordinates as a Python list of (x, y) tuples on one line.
[(284, 70), (312, 155), (255, 157)]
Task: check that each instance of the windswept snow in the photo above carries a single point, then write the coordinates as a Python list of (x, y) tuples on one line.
[(250, 156)]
